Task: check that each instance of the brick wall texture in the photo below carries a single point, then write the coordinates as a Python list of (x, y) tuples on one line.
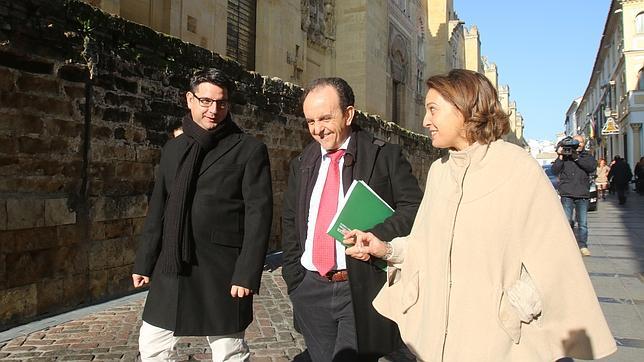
[(85, 103)]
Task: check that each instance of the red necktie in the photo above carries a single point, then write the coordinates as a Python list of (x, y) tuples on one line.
[(323, 243)]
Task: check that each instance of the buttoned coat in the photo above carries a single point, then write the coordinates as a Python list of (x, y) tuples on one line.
[(383, 167), (486, 212), (231, 214)]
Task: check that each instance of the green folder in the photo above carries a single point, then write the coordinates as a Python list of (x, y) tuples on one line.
[(361, 209)]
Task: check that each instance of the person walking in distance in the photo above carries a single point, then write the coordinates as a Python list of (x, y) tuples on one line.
[(573, 167), (601, 179), (621, 175)]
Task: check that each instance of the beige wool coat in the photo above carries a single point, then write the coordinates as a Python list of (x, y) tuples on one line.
[(487, 211)]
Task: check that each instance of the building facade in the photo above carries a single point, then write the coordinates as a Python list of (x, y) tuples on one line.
[(571, 126), (611, 111), (384, 49)]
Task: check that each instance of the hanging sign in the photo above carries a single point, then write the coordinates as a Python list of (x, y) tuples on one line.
[(610, 127)]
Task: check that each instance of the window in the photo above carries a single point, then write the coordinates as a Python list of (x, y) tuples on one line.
[(240, 44), (639, 23), (640, 79)]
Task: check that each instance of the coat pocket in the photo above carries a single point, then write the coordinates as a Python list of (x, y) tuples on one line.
[(410, 293), (227, 238), (509, 319)]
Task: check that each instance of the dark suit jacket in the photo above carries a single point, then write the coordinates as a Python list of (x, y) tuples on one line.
[(231, 219), (384, 168)]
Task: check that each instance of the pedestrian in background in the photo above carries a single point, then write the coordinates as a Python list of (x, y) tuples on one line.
[(601, 179), (574, 172), (638, 171), (620, 175), (490, 270), (206, 233)]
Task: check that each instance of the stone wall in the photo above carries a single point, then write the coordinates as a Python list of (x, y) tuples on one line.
[(85, 103)]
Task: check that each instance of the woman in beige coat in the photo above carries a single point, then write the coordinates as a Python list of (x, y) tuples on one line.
[(491, 269)]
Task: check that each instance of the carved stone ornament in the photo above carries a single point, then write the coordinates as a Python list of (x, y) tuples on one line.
[(318, 21), (398, 56)]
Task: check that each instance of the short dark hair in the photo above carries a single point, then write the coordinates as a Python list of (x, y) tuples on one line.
[(345, 93), (214, 76)]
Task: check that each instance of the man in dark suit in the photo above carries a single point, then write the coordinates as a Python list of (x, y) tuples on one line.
[(206, 234), (332, 294)]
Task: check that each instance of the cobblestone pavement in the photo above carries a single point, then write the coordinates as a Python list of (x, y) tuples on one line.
[(109, 332), (112, 334)]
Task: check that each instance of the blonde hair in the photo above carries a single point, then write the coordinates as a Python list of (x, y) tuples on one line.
[(477, 100)]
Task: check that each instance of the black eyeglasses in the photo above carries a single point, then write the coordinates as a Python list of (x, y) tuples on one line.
[(207, 102)]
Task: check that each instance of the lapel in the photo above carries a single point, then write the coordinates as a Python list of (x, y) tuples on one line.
[(308, 170), (221, 149), (365, 156)]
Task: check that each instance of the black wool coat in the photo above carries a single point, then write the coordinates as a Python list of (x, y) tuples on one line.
[(384, 168), (231, 215)]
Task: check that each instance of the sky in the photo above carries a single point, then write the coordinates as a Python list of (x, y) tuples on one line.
[(544, 50)]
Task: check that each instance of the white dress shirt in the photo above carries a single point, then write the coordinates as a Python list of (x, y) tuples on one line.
[(307, 256)]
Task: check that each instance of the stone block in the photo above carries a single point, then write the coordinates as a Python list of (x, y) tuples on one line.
[(151, 156), (37, 84), (137, 225), (49, 294), (97, 284), (134, 206), (74, 92), (68, 259), (116, 115), (134, 170), (25, 240), (70, 234), (63, 128), (24, 124), (98, 252), (3, 272), (7, 80), (25, 213), (58, 213), (9, 146), (111, 253), (22, 101), (97, 231), (33, 145), (119, 279), (76, 289), (8, 241), (22, 62), (109, 152), (102, 132), (28, 267), (136, 135), (32, 266), (63, 146), (73, 73), (118, 229), (18, 303), (3, 214), (104, 208)]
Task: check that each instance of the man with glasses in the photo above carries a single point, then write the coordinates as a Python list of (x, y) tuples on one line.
[(205, 237), (332, 294)]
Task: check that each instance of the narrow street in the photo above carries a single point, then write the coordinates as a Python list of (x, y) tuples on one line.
[(109, 332), (616, 268)]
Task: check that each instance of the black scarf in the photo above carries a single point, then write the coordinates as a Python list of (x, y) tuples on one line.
[(177, 244)]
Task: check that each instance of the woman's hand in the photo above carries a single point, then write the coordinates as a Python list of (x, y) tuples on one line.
[(364, 246)]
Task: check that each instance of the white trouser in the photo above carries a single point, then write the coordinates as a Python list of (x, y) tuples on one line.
[(158, 344)]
